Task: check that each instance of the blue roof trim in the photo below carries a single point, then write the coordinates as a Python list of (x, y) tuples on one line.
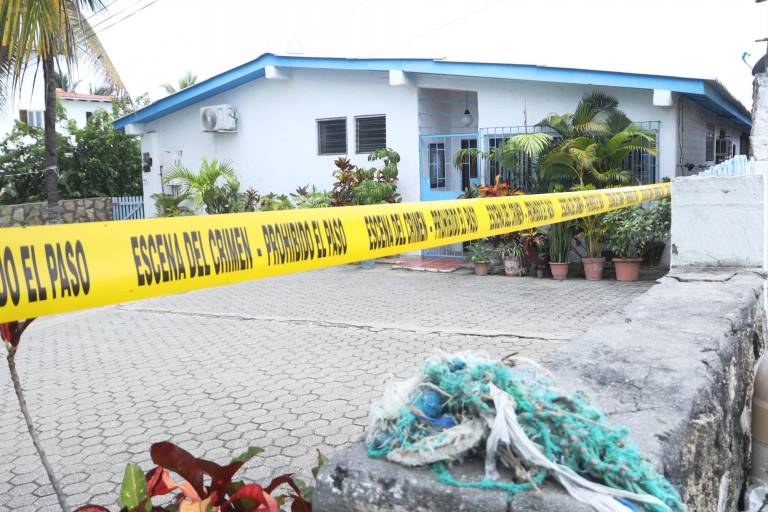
[(254, 69)]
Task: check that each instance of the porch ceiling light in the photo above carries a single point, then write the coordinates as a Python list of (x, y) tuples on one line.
[(466, 118)]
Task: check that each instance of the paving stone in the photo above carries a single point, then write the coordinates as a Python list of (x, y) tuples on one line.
[(261, 364)]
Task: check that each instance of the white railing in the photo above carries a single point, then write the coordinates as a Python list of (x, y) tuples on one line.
[(739, 165)]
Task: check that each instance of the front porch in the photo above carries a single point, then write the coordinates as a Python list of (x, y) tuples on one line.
[(450, 121)]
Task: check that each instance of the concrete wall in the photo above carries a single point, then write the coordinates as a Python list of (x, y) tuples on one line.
[(72, 210), (675, 369), (717, 221)]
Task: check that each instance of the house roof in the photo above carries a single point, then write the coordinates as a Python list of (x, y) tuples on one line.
[(709, 93), (77, 96)]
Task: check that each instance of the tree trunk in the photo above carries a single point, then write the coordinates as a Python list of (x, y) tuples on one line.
[(33, 433), (51, 160)]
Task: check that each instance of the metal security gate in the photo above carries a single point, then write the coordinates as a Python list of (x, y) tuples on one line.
[(442, 179), (127, 207)]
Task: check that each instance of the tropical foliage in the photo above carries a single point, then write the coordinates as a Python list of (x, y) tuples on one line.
[(189, 79), (560, 241), (580, 150), (306, 197), (511, 249), (95, 160), (40, 33), (631, 230), (480, 252), (214, 187), (207, 486), (171, 206), (355, 185)]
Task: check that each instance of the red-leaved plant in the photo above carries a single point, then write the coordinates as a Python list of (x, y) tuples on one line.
[(219, 494)]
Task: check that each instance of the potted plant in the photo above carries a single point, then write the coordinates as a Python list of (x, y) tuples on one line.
[(629, 231), (593, 230), (480, 255), (512, 252), (560, 237)]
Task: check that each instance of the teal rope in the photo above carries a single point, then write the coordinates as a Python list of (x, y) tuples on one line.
[(569, 430)]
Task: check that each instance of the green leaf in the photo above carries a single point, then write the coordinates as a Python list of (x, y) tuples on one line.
[(134, 490), (248, 454), (321, 460)]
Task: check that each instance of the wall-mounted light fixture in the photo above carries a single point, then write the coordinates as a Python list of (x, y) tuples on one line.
[(466, 118)]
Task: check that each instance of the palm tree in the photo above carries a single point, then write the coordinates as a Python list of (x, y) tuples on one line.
[(185, 81), (38, 33), (594, 142), (201, 187), (523, 147), (64, 81), (34, 33)]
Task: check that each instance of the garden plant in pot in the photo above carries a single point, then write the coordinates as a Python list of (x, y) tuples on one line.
[(512, 252), (480, 255), (593, 230), (560, 237), (629, 231)]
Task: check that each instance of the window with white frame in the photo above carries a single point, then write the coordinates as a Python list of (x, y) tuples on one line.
[(370, 133), (332, 136), (34, 118), (436, 154)]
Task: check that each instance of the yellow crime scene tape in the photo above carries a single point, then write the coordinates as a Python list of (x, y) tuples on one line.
[(46, 270)]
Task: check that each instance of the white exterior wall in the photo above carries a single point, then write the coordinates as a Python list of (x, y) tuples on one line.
[(692, 128), (502, 103), (275, 148), (77, 109), (28, 98)]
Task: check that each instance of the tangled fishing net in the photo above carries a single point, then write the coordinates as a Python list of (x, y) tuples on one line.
[(466, 404)]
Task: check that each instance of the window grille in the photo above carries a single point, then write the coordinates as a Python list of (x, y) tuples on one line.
[(332, 136), (370, 133)]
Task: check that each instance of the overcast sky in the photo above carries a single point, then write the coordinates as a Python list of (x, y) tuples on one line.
[(156, 41)]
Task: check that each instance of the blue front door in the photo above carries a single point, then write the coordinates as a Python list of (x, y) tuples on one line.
[(442, 179)]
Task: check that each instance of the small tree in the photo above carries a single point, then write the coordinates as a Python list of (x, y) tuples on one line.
[(214, 187)]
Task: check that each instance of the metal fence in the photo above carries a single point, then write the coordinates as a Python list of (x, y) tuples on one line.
[(641, 165), (127, 207)]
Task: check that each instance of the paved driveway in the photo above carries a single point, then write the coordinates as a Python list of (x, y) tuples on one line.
[(288, 364)]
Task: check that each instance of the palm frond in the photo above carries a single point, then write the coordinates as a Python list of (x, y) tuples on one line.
[(463, 155), (532, 144), (89, 46)]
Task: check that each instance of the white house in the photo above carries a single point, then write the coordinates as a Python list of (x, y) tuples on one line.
[(286, 118), (28, 105)]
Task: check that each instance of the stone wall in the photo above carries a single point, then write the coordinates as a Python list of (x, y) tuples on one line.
[(675, 366), (72, 210)]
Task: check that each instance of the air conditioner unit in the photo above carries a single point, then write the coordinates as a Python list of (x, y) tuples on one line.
[(218, 118)]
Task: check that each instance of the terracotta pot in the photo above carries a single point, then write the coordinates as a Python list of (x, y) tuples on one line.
[(512, 267), (481, 268), (627, 269), (593, 268), (559, 270)]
